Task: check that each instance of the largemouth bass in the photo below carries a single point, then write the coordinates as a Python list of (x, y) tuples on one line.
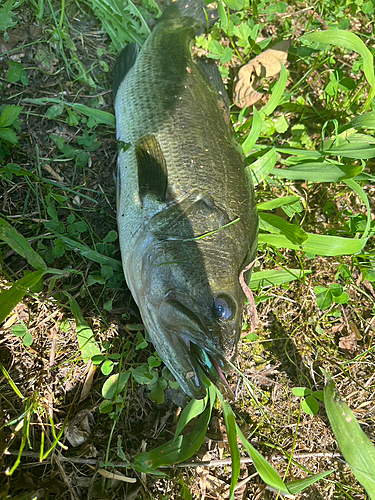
[(185, 208)]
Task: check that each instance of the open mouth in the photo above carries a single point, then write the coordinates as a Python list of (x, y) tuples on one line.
[(212, 369)]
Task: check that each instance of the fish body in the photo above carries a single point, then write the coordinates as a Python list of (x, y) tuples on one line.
[(185, 207)]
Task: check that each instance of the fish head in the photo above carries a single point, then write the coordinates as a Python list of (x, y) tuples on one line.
[(190, 302)]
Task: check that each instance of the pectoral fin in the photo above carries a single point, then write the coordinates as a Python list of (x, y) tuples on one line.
[(152, 168)]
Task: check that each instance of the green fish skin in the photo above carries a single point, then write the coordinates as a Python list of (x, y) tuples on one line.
[(185, 208)]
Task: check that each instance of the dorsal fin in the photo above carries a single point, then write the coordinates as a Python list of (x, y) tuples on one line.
[(212, 73), (124, 62), (152, 168)]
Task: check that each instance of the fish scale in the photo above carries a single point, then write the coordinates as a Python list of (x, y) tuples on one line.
[(186, 211)]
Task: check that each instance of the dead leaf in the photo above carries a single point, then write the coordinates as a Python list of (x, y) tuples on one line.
[(348, 343), (266, 64), (78, 429)]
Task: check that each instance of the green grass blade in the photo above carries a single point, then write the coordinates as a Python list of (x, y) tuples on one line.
[(358, 450), (85, 336), (10, 298), (349, 41), (305, 153), (182, 448), (274, 223), (363, 121), (93, 255), (301, 484), (255, 131), (20, 245), (317, 244), (355, 151), (262, 167), (99, 116), (265, 470), (360, 192), (192, 410), (230, 425), (11, 383), (275, 277), (277, 203), (318, 172), (277, 93)]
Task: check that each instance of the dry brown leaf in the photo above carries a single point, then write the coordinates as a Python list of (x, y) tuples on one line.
[(266, 64), (78, 429), (348, 343)]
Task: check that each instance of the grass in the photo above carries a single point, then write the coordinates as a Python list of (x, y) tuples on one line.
[(74, 357)]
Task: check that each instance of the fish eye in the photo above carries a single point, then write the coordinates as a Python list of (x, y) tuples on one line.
[(224, 307)]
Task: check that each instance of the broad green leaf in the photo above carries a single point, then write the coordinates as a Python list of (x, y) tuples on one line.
[(8, 135), (275, 277), (142, 375), (10, 298), (349, 41), (318, 172), (323, 299), (20, 245), (274, 223), (9, 115), (277, 203), (85, 336), (114, 385), (317, 244), (358, 450), (261, 168), (192, 410), (255, 131), (277, 93), (230, 425), (310, 405), (265, 470)]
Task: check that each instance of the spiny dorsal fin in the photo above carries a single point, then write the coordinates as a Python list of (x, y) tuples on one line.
[(124, 62), (152, 168)]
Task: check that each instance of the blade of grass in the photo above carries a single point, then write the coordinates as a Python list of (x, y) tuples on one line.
[(349, 41), (317, 244), (10, 298), (277, 93), (274, 223), (318, 172), (261, 168), (358, 450), (19, 244), (255, 131), (275, 277)]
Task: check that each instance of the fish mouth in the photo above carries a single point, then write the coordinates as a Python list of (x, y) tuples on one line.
[(211, 369), (207, 363)]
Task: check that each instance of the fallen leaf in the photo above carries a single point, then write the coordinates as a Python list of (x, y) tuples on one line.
[(266, 64), (348, 343)]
